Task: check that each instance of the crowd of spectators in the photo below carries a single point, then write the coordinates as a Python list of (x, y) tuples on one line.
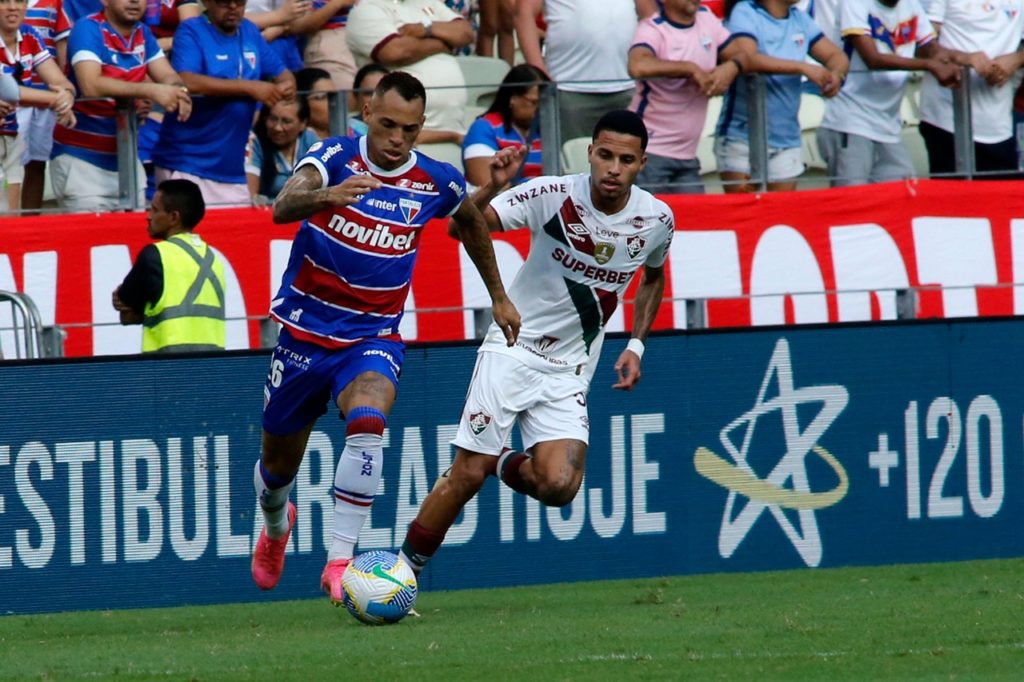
[(230, 93)]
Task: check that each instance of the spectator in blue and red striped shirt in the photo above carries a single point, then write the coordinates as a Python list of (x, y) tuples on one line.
[(111, 54), (511, 121), (35, 125), (24, 56)]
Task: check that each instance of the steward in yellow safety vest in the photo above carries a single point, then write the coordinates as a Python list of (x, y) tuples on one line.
[(175, 289)]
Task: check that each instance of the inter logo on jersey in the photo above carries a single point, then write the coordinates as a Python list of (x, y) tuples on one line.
[(410, 209)]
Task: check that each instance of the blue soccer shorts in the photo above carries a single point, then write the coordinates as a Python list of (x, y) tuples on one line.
[(304, 376)]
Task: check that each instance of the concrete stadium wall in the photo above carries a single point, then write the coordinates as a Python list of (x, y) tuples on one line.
[(127, 482)]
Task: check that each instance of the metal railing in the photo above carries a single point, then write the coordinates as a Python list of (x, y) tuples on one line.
[(549, 119), (26, 325)]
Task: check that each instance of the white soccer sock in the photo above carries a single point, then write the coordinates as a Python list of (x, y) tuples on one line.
[(355, 484), (273, 501)]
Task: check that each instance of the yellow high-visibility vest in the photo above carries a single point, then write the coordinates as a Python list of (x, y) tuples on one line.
[(190, 313)]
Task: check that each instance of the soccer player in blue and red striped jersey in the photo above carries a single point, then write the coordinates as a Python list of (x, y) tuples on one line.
[(364, 203), (111, 54)]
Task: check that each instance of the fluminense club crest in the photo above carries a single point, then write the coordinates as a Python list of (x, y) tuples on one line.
[(635, 245), (478, 422)]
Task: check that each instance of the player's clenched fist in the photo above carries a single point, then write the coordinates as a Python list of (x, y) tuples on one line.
[(352, 190)]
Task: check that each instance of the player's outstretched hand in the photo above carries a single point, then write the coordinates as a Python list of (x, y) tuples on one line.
[(507, 317), (505, 165), (627, 367), (352, 190)]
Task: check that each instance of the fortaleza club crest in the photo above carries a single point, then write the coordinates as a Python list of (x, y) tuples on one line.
[(410, 209), (603, 252), (479, 421), (634, 245)]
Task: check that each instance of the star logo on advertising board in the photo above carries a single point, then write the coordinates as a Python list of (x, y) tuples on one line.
[(785, 492)]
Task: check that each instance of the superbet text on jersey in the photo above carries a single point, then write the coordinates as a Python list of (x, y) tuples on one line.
[(580, 264)]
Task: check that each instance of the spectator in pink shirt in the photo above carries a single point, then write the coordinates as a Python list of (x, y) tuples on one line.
[(680, 57)]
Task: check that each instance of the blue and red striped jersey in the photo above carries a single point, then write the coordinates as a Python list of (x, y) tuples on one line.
[(350, 267), (339, 20), (31, 53), (49, 20), (487, 136), (94, 138)]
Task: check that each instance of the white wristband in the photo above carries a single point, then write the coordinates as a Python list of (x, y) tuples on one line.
[(636, 346)]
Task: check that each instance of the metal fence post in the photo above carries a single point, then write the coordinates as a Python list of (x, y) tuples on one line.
[(963, 126), (757, 124), (906, 304), (337, 108), (696, 313), (127, 155), (551, 129)]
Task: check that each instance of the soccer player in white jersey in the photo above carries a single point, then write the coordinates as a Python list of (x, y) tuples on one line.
[(590, 234)]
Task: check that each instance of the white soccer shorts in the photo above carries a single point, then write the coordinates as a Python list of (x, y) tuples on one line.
[(547, 405)]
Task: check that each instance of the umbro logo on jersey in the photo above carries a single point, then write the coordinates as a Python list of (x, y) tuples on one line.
[(634, 245), (478, 422)]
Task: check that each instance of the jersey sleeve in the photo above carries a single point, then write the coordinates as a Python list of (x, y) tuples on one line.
[(369, 28), (452, 186), (187, 55), (742, 22), (853, 19), (61, 24), (35, 46), (926, 33), (525, 206), (480, 141), (648, 36), (660, 254), (329, 158), (153, 49), (85, 43), (720, 34)]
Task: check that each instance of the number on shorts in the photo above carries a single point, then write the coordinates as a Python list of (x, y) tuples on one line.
[(276, 373)]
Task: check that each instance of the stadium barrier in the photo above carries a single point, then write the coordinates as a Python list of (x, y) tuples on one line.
[(127, 482), (837, 255)]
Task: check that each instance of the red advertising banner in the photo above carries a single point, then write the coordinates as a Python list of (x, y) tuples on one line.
[(800, 257)]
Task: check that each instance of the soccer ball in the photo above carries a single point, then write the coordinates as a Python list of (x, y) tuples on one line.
[(379, 588)]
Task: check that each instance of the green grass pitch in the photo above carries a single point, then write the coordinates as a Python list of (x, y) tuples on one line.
[(936, 621)]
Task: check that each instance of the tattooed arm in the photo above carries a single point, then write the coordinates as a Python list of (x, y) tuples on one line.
[(304, 194)]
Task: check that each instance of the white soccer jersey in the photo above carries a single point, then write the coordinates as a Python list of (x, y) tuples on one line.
[(994, 27), (579, 266), (869, 103)]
